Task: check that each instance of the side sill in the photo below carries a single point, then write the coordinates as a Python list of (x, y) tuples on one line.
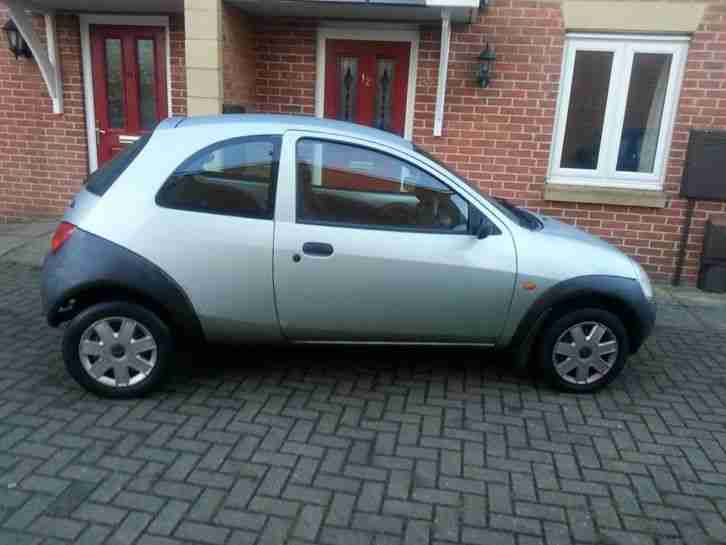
[(395, 343)]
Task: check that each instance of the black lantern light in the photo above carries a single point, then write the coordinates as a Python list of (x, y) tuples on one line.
[(486, 60), (16, 43)]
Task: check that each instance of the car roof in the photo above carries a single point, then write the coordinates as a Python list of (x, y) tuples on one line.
[(282, 123)]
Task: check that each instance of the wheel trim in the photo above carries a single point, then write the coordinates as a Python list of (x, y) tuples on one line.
[(585, 353), (118, 351)]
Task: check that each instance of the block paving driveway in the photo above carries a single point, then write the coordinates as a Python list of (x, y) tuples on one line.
[(347, 447)]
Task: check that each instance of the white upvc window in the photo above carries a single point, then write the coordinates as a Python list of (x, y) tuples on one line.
[(616, 110)]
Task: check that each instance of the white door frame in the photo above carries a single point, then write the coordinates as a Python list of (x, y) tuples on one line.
[(87, 65), (381, 32)]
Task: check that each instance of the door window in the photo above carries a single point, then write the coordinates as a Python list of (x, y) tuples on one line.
[(235, 177), (348, 85), (148, 114), (115, 84), (386, 73), (351, 185)]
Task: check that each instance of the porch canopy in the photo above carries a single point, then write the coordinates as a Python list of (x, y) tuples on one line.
[(46, 55), (107, 6), (411, 11), (392, 10), (443, 12)]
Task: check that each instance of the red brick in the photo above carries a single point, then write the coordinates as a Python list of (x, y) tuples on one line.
[(499, 137), (47, 151)]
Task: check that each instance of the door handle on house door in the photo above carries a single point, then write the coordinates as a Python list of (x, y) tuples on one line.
[(99, 133)]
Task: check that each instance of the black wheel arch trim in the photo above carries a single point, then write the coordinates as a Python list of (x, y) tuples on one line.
[(91, 266), (624, 292)]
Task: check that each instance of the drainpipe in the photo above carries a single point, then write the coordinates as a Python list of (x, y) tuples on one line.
[(443, 71)]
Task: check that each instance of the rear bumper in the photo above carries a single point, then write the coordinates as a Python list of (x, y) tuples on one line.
[(53, 286)]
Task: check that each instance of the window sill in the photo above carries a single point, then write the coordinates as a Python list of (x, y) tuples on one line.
[(605, 195)]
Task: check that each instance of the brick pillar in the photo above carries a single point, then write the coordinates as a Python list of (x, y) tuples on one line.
[(204, 44)]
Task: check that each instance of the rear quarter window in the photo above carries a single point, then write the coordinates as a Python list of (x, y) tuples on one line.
[(234, 177), (102, 179)]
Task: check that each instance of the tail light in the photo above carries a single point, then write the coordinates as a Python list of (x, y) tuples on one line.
[(61, 235)]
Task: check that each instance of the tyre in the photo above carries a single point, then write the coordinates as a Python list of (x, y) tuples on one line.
[(117, 349), (584, 350)]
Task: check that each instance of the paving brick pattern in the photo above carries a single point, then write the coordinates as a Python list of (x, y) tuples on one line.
[(348, 447)]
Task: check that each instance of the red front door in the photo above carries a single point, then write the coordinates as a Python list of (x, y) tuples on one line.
[(129, 84), (366, 82)]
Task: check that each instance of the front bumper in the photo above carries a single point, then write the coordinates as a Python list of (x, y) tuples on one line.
[(646, 312)]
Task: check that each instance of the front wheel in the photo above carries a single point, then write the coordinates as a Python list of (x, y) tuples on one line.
[(117, 349), (584, 350)]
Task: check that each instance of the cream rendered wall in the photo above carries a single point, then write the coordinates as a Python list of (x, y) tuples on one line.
[(632, 16), (203, 21)]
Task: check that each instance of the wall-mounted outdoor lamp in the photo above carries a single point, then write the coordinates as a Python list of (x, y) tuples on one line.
[(16, 43), (486, 60)]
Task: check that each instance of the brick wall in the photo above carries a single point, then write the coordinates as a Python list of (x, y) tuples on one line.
[(239, 58), (702, 105), (177, 65), (44, 156), (500, 137), (286, 66)]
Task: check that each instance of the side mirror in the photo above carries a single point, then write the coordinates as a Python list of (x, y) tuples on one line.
[(484, 230)]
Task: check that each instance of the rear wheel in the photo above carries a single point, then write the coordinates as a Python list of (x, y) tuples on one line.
[(117, 349), (584, 350)]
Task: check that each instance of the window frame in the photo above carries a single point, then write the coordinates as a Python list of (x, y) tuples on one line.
[(623, 47), (275, 139), (367, 226)]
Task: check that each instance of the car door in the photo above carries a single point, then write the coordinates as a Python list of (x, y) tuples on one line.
[(370, 246)]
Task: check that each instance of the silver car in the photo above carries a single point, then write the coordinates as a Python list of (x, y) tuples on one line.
[(282, 229)]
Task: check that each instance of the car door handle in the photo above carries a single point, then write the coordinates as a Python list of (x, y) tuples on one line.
[(317, 248)]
